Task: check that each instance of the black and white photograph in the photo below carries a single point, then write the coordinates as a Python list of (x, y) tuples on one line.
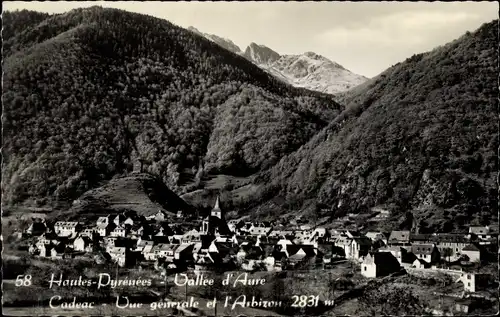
[(257, 158)]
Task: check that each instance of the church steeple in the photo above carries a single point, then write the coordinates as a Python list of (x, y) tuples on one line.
[(216, 211), (217, 204)]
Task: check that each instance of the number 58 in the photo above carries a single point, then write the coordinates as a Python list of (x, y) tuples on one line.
[(23, 280)]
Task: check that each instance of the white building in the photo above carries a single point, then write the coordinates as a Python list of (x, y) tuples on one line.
[(119, 231), (65, 228), (82, 243)]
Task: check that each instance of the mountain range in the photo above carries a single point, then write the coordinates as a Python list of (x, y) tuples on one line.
[(96, 94), (308, 70)]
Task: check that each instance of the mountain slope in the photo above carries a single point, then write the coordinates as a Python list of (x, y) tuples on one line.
[(96, 92), (142, 194), (315, 72), (419, 138), (260, 54), (308, 70), (225, 43)]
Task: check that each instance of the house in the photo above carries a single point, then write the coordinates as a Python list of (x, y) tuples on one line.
[(230, 239), (282, 243), (396, 251), (420, 264), (325, 250), (166, 251), (37, 227), (320, 235), (399, 238), (376, 236), (426, 252), (149, 252), (184, 252), (266, 240), (450, 245), (103, 220), (302, 236), (298, 253), (359, 246), (474, 282), (480, 232), (379, 264), (351, 233), (421, 238), (109, 241), (335, 235), (175, 239), (119, 255), (161, 232), (118, 231), (137, 230), (233, 224), (259, 229), (223, 249), (472, 252), (270, 256), (201, 248), (244, 228), (197, 250), (191, 236), (249, 256), (66, 228), (57, 251), (104, 228), (464, 305), (89, 233), (46, 238), (83, 243), (160, 215), (206, 262), (33, 250), (128, 221), (240, 239), (119, 219), (344, 243), (44, 250), (142, 244), (249, 252), (381, 213)]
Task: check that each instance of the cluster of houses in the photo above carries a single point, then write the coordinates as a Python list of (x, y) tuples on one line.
[(130, 240), (214, 244), (404, 249)]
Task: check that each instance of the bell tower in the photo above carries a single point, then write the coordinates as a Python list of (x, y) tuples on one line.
[(216, 211)]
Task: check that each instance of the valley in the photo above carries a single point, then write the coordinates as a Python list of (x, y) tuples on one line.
[(141, 150)]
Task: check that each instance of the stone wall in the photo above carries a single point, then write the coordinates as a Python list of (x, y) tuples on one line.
[(428, 273)]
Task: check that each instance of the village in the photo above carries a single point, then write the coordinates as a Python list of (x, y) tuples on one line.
[(161, 243)]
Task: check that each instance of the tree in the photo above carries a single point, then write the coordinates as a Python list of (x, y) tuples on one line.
[(389, 300), (447, 253)]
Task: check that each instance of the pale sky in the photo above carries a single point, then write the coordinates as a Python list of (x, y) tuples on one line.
[(364, 37)]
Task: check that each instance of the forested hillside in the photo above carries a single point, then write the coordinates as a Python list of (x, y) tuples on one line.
[(420, 138), (96, 92)]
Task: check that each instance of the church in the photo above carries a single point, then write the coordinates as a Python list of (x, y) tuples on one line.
[(215, 224)]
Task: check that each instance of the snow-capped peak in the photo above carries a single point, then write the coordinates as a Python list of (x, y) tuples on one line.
[(260, 54), (308, 70), (315, 72)]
